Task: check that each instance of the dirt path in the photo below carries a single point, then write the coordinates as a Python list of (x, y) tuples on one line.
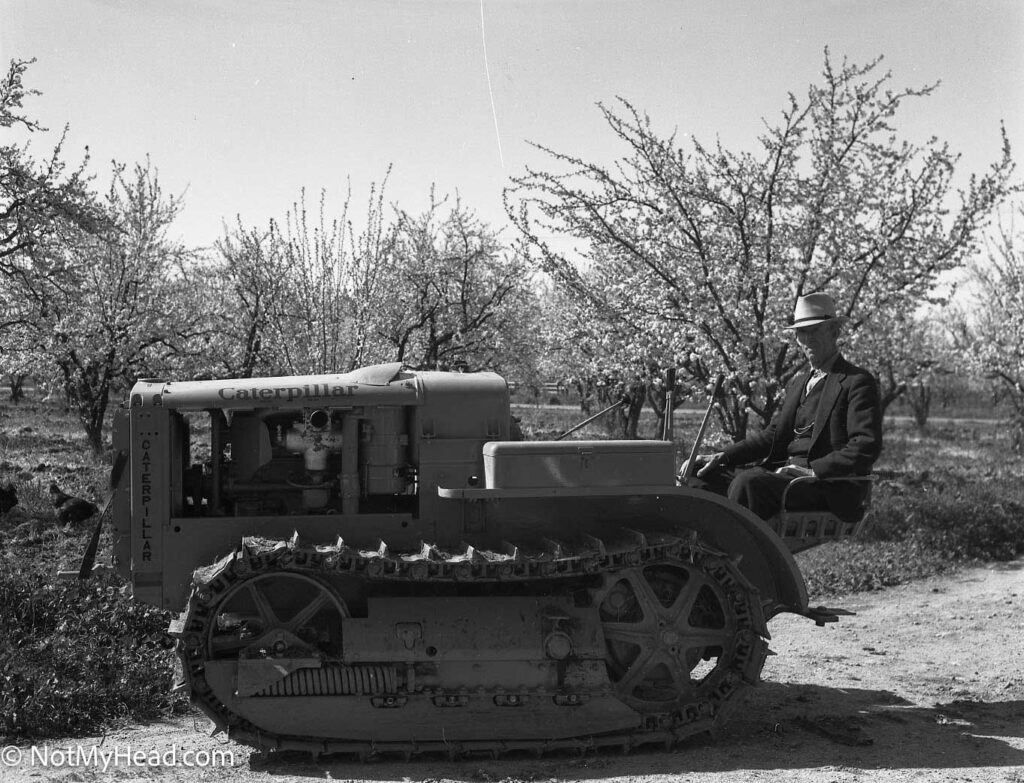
[(925, 683)]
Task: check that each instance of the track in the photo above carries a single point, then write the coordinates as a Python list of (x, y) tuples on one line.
[(649, 638)]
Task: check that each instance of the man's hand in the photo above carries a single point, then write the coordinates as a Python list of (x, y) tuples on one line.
[(794, 471), (705, 463)]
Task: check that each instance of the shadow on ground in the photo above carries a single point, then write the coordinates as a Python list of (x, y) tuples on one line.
[(779, 727), (1008, 565)]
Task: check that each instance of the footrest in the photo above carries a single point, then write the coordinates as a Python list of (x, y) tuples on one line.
[(823, 614)]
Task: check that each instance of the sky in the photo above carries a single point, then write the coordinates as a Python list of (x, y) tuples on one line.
[(241, 104)]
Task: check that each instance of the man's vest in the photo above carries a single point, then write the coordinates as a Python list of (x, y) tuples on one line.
[(803, 424)]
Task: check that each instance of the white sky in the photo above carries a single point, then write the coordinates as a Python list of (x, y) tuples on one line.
[(245, 103)]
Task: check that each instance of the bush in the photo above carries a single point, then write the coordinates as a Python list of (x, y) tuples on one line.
[(926, 521), (857, 566), (954, 515), (77, 657)]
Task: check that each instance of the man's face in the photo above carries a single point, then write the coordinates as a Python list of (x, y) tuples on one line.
[(818, 342)]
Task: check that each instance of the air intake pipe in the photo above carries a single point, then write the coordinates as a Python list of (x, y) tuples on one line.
[(315, 439)]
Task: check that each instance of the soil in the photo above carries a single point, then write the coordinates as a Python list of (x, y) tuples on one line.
[(924, 683)]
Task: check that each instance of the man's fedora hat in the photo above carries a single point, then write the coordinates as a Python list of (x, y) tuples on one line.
[(812, 310)]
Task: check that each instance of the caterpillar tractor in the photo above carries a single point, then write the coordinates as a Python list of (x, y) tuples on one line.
[(367, 563)]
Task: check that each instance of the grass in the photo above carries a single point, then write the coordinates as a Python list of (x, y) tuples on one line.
[(80, 658)]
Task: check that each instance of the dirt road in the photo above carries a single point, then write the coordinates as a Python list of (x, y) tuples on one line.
[(925, 683)]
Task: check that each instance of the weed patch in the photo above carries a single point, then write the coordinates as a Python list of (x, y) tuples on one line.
[(856, 566), (947, 498), (956, 516), (77, 657)]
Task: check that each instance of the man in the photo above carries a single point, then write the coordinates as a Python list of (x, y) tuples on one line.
[(829, 426)]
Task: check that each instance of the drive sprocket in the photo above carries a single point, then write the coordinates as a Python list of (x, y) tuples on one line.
[(673, 634)]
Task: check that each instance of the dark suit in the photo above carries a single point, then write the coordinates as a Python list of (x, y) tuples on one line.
[(846, 441)]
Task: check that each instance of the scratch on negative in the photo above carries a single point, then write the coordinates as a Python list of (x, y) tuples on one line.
[(490, 92)]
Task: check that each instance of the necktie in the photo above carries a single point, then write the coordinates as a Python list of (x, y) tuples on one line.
[(816, 376)]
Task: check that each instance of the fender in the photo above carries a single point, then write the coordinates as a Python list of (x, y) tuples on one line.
[(719, 524)]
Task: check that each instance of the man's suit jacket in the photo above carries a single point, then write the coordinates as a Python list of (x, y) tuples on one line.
[(847, 434)]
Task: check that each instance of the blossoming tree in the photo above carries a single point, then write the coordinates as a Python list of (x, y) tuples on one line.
[(693, 257)]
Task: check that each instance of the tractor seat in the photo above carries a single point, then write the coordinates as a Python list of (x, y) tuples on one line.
[(807, 528)]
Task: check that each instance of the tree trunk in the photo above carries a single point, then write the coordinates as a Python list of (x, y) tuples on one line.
[(920, 398), (890, 393), (734, 417), (92, 412), (16, 382), (628, 416), (586, 392), (1017, 431), (89, 391), (94, 432)]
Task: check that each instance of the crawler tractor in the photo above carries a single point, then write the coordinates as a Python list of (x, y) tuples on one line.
[(367, 563)]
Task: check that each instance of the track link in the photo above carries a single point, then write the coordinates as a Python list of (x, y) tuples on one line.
[(588, 560)]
